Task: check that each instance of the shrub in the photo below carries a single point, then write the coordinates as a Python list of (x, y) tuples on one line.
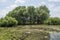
[(53, 21), (8, 21)]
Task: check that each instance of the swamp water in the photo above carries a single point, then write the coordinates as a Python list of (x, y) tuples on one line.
[(55, 36)]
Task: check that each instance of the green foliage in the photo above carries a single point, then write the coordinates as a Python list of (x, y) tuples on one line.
[(53, 21), (43, 14), (18, 13), (31, 12), (8, 21), (29, 15)]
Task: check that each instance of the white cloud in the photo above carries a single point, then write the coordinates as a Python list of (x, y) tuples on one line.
[(2, 13), (12, 6), (19, 1), (54, 0), (3, 1), (56, 11), (6, 10), (43, 3)]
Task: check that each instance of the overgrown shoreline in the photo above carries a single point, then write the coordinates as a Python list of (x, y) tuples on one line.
[(27, 32)]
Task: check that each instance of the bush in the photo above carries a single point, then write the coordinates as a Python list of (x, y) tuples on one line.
[(8, 21), (53, 21)]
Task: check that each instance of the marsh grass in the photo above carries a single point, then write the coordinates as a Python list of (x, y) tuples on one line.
[(28, 32)]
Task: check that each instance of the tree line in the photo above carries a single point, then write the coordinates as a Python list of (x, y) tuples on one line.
[(28, 15)]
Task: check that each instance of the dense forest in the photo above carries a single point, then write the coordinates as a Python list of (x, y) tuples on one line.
[(23, 15)]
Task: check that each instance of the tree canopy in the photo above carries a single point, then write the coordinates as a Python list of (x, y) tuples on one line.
[(30, 14)]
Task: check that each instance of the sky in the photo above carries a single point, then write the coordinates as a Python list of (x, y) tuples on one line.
[(9, 5)]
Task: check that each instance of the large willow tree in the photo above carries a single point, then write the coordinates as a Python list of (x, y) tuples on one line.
[(30, 15)]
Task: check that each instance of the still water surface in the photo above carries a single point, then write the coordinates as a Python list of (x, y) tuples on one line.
[(54, 36)]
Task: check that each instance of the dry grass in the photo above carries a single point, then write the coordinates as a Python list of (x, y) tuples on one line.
[(28, 32)]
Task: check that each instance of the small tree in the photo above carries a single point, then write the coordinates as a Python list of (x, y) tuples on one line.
[(53, 21), (8, 21)]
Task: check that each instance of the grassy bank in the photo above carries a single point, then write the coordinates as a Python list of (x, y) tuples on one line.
[(28, 32)]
